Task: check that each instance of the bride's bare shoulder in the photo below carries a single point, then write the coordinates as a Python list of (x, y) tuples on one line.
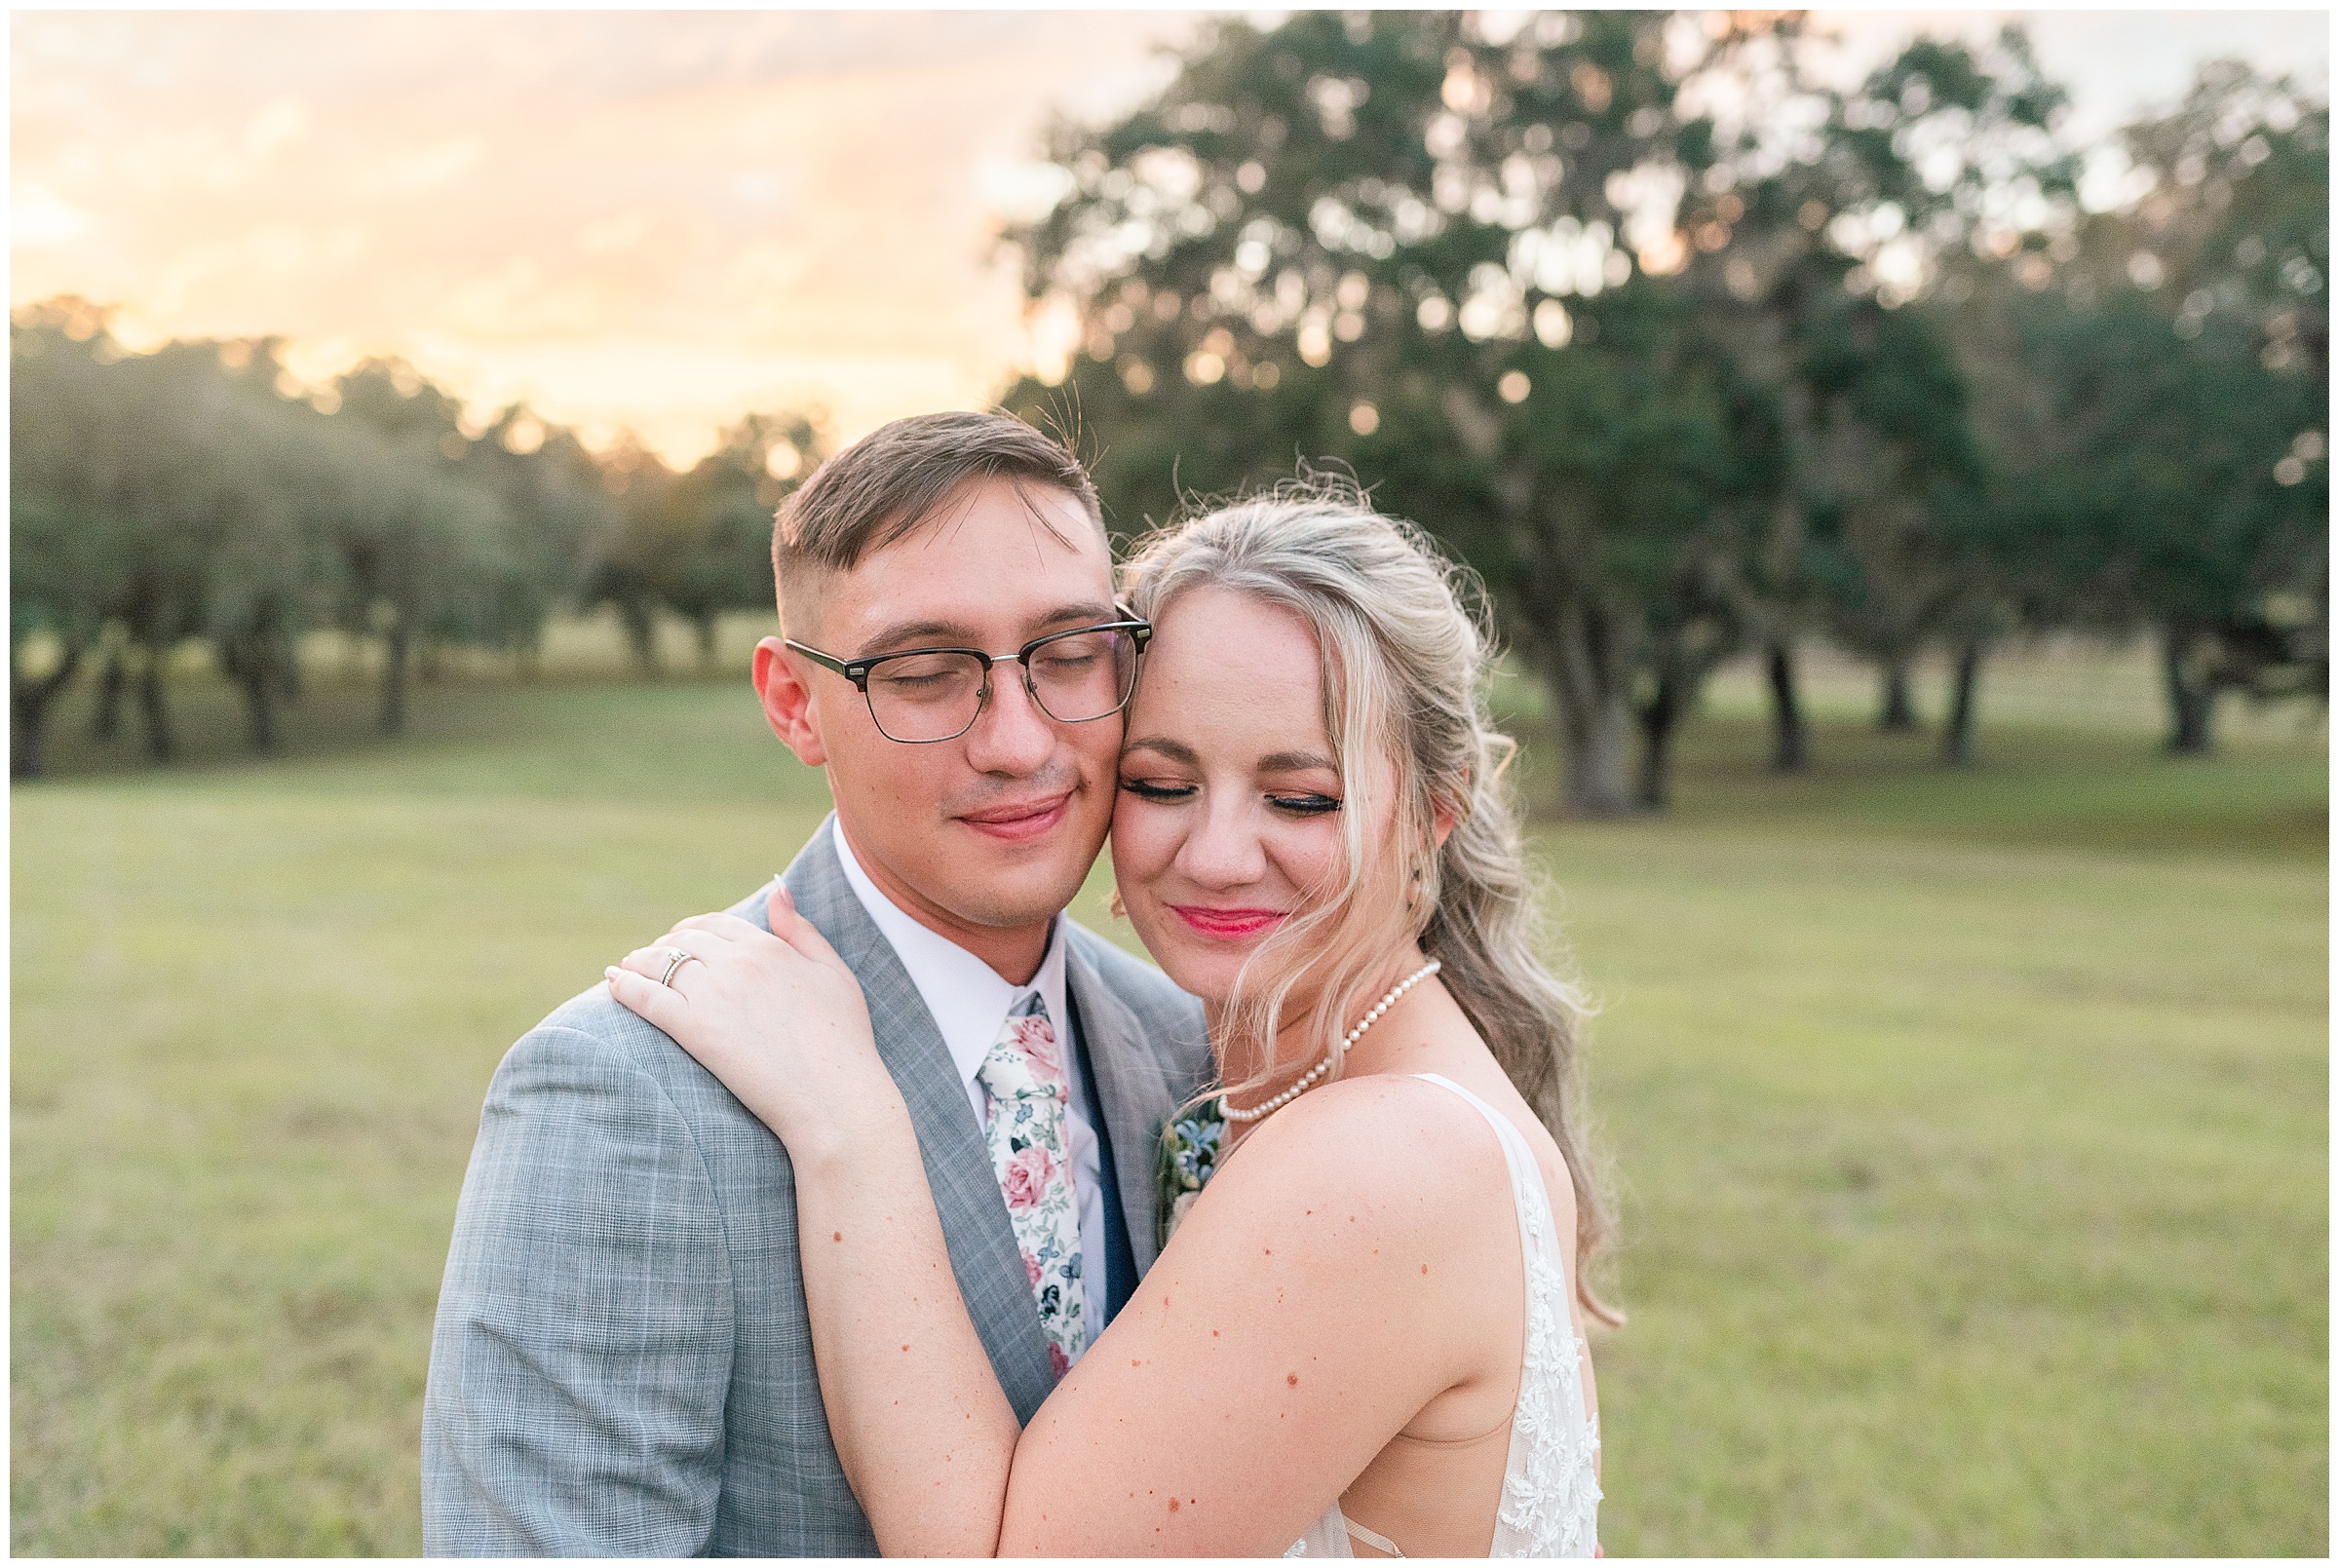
[(1395, 1143), (1366, 1208)]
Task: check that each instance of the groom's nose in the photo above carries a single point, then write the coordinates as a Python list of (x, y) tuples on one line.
[(1012, 736)]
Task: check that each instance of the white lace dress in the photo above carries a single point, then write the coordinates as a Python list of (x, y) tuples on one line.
[(1551, 1505)]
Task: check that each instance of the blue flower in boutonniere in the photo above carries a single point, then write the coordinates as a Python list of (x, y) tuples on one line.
[(1190, 1145)]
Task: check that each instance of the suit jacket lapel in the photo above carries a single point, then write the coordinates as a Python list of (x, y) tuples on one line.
[(958, 1167), (1135, 1091)]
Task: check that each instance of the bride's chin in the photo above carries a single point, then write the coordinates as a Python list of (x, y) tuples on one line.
[(1209, 984), (1202, 968)]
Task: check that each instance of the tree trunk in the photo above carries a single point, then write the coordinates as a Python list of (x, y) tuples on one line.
[(1660, 716), (706, 639), (28, 704), (396, 646), (1598, 753), (256, 658), (1965, 703), (160, 747), (2192, 692), (257, 675), (113, 682), (1587, 677), (1791, 743), (259, 705), (1895, 714), (640, 622)]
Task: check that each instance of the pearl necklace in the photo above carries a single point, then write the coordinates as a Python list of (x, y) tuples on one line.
[(1308, 1080)]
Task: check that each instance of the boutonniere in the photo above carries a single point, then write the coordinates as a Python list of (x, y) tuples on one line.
[(1190, 1145)]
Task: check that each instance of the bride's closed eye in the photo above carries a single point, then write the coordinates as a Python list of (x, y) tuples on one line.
[(1304, 805), (1300, 805)]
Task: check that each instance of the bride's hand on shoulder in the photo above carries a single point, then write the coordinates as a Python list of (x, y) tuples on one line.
[(775, 1015)]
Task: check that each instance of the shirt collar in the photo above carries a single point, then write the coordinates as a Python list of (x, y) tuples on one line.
[(967, 997)]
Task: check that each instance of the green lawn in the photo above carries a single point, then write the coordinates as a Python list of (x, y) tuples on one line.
[(1970, 1129)]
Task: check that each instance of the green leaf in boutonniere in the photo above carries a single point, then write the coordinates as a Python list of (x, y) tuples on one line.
[(1190, 1144)]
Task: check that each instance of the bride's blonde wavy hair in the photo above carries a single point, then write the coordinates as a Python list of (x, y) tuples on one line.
[(1405, 649)]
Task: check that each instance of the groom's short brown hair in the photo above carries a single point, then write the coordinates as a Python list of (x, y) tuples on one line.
[(891, 483)]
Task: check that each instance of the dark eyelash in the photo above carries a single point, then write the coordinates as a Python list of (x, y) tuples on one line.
[(1147, 790), (1304, 805)]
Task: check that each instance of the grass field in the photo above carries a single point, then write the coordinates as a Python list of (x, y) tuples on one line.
[(1971, 1131)]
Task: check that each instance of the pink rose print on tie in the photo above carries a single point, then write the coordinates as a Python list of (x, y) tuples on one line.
[(1028, 1134), (1036, 1039), (1026, 1181)]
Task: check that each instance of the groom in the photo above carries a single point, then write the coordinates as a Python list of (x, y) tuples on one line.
[(622, 1363)]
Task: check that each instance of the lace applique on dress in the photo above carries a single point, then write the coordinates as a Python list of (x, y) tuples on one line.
[(1550, 1503), (1550, 1493)]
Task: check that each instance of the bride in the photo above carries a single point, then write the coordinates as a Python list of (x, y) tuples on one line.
[(1368, 1325)]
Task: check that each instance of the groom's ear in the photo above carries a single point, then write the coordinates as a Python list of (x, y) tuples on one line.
[(788, 703)]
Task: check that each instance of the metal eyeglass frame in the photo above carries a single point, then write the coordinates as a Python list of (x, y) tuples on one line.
[(856, 671)]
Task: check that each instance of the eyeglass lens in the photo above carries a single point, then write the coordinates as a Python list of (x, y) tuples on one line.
[(935, 696)]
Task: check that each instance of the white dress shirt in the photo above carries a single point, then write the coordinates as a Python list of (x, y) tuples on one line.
[(970, 1002)]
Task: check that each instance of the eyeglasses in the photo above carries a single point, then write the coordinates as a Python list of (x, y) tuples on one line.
[(923, 695)]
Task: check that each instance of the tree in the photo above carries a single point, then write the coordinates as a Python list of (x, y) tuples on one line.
[(2180, 505), (2237, 228), (66, 549), (1376, 237), (625, 576), (562, 520), (2162, 412), (121, 498), (1575, 293), (270, 459), (1893, 473), (699, 543), (718, 520), (421, 553), (1823, 213)]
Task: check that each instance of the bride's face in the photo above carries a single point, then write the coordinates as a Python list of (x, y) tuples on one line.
[(1228, 818)]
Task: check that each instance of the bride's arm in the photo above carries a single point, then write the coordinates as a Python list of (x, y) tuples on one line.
[(1336, 1278), (1341, 1271), (921, 1426)]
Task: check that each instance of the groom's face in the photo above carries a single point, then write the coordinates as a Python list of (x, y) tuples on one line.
[(985, 837)]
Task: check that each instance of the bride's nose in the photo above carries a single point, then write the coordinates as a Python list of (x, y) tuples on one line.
[(1223, 849)]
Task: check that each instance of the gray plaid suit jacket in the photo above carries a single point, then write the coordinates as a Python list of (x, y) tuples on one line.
[(622, 1363)]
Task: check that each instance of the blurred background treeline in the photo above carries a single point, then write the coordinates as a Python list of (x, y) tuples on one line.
[(1933, 526), (201, 494), (1690, 355)]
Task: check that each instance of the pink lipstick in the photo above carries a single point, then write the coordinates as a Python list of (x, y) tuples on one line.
[(1229, 924)]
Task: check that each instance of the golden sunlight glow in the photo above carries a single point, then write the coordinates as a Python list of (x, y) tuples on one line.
[(660, 222), (643, 220)]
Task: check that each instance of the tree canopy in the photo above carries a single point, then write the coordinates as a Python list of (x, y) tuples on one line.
[(1676, 344)]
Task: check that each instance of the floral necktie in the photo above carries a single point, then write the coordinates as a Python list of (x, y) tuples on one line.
[(1031, 1151)]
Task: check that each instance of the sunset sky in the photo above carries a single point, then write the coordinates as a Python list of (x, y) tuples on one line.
[(662, 221)]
